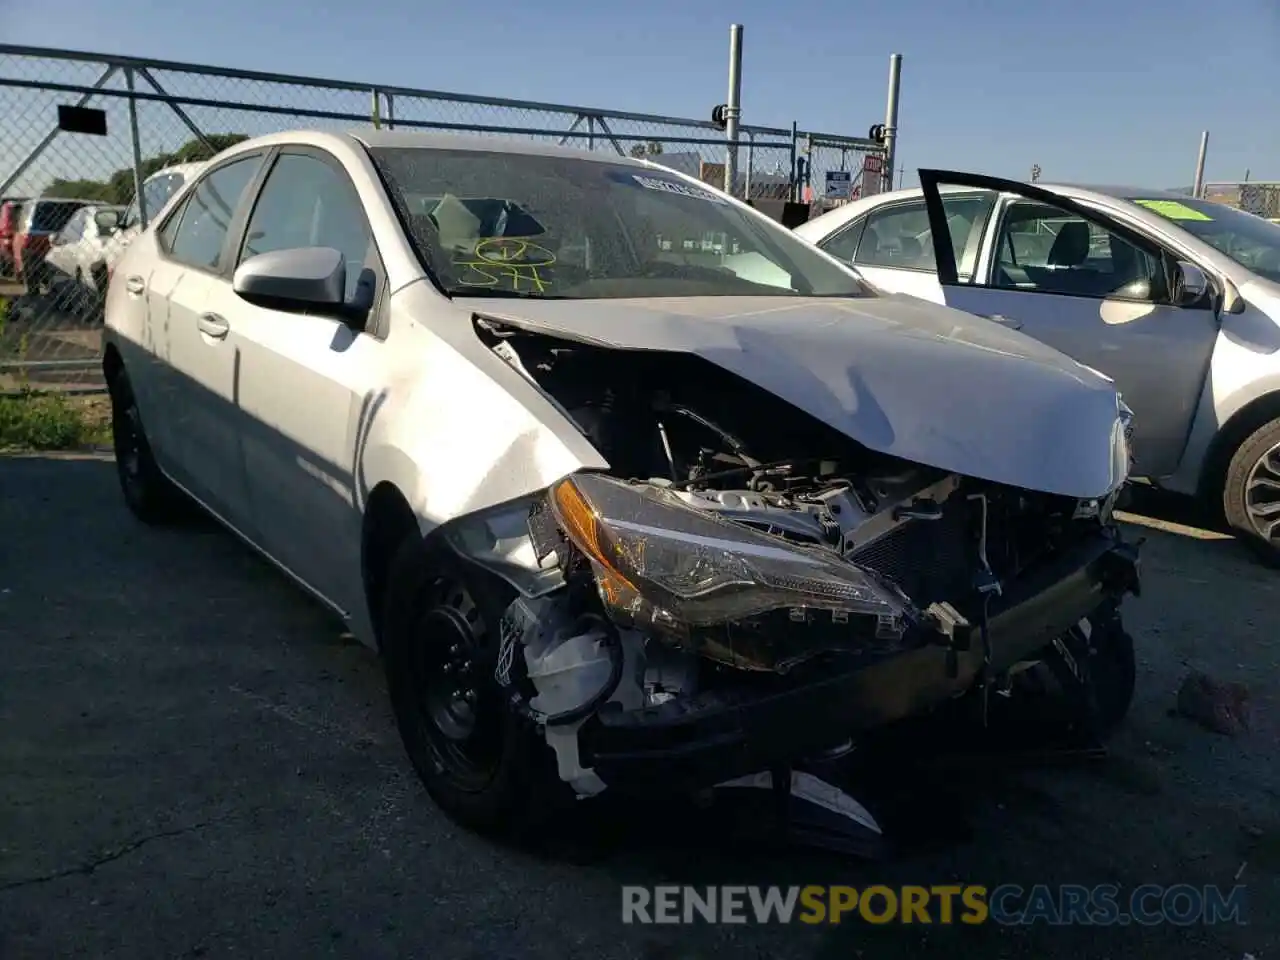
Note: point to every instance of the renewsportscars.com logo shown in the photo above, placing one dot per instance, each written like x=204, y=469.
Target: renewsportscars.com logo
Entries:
x=1007, y=904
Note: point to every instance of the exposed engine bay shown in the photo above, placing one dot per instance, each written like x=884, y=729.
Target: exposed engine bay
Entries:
x=741, y=552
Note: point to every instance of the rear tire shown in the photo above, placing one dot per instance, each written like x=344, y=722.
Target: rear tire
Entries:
x=483, y=764
x=1251, y=492
x=148, y=493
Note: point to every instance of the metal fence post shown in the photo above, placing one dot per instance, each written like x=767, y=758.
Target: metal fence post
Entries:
x=143, y=214
x=733, y=109
x=891, y=121
x=1204, y=151
x=795, y=134
x=391, y=110
x=375, y=111
x=751, y=163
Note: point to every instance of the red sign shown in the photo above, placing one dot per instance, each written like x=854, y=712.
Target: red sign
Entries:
x=873, y=163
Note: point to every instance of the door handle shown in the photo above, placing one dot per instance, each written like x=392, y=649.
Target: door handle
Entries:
x=213, y=325
x=1011, y=322
x=135, y=285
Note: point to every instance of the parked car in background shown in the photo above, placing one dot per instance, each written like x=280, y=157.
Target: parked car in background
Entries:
x=1176, y=299
x=615, y=515
x=10, y=218
x=76, y=260
x=157, y=191
x=42, y=219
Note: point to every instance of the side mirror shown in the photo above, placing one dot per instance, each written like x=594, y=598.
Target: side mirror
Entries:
x=1139, y=289
x=1190, y=285
x=296, y=278
x=1232, y=301
x=108, y=221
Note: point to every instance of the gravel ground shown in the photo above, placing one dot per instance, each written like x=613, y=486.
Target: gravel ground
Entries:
x=194, y=763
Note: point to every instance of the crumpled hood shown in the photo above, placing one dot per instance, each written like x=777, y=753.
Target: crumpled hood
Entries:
x=903, y=377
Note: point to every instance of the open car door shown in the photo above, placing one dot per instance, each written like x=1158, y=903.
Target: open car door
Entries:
x=1097, y=289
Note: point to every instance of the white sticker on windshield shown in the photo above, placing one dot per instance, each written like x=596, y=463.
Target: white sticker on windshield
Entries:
x=680, y=189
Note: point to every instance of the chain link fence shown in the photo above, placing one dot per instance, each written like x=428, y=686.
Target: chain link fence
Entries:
x=1260, y=197
x=158, y=114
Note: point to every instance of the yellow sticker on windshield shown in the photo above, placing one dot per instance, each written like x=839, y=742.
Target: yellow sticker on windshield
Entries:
x=1173, y=210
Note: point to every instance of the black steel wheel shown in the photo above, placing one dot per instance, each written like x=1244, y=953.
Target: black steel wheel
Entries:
x=148, y=493
x=481, y=762
x=458, y=707
x=1251, y=492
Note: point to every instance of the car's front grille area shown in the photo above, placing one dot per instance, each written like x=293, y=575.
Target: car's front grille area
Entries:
x=937, y=560
x=931, y=560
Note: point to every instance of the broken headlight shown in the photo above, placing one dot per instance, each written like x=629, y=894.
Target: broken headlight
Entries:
x=695, y=569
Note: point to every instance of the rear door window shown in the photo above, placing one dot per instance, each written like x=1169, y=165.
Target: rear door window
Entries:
x=899, y=235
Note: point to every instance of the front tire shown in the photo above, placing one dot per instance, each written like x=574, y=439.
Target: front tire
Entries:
x=483, y=764
x=1251, y=492
x=1082, y=688
x=148, y=493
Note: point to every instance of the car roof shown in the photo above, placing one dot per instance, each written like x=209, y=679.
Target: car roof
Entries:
x=79, y=200
x=424, y=140
x=191, y=167
x=1076, y=190
x=1116, y=192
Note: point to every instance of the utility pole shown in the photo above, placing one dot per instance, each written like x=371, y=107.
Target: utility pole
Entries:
x=733, y=109
x=1198, y=189
x=891, y=120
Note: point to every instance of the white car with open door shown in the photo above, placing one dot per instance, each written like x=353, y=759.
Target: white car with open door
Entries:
x=1176, y=299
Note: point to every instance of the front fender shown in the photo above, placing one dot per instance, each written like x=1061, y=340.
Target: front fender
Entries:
x=1215, y=410
x=469, y=441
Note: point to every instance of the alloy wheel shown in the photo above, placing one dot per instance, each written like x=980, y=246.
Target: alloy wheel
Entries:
x=1262, y=496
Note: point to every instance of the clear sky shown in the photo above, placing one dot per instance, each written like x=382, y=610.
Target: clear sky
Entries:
x=1093, y=90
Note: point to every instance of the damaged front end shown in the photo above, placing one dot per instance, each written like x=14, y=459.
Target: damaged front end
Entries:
x=749, y=609
x=705, y=634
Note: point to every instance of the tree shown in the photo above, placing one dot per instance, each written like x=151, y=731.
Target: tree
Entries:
x=118, y=188
x=651, y=149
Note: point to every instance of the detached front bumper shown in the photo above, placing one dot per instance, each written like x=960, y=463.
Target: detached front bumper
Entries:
x=719, y=735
